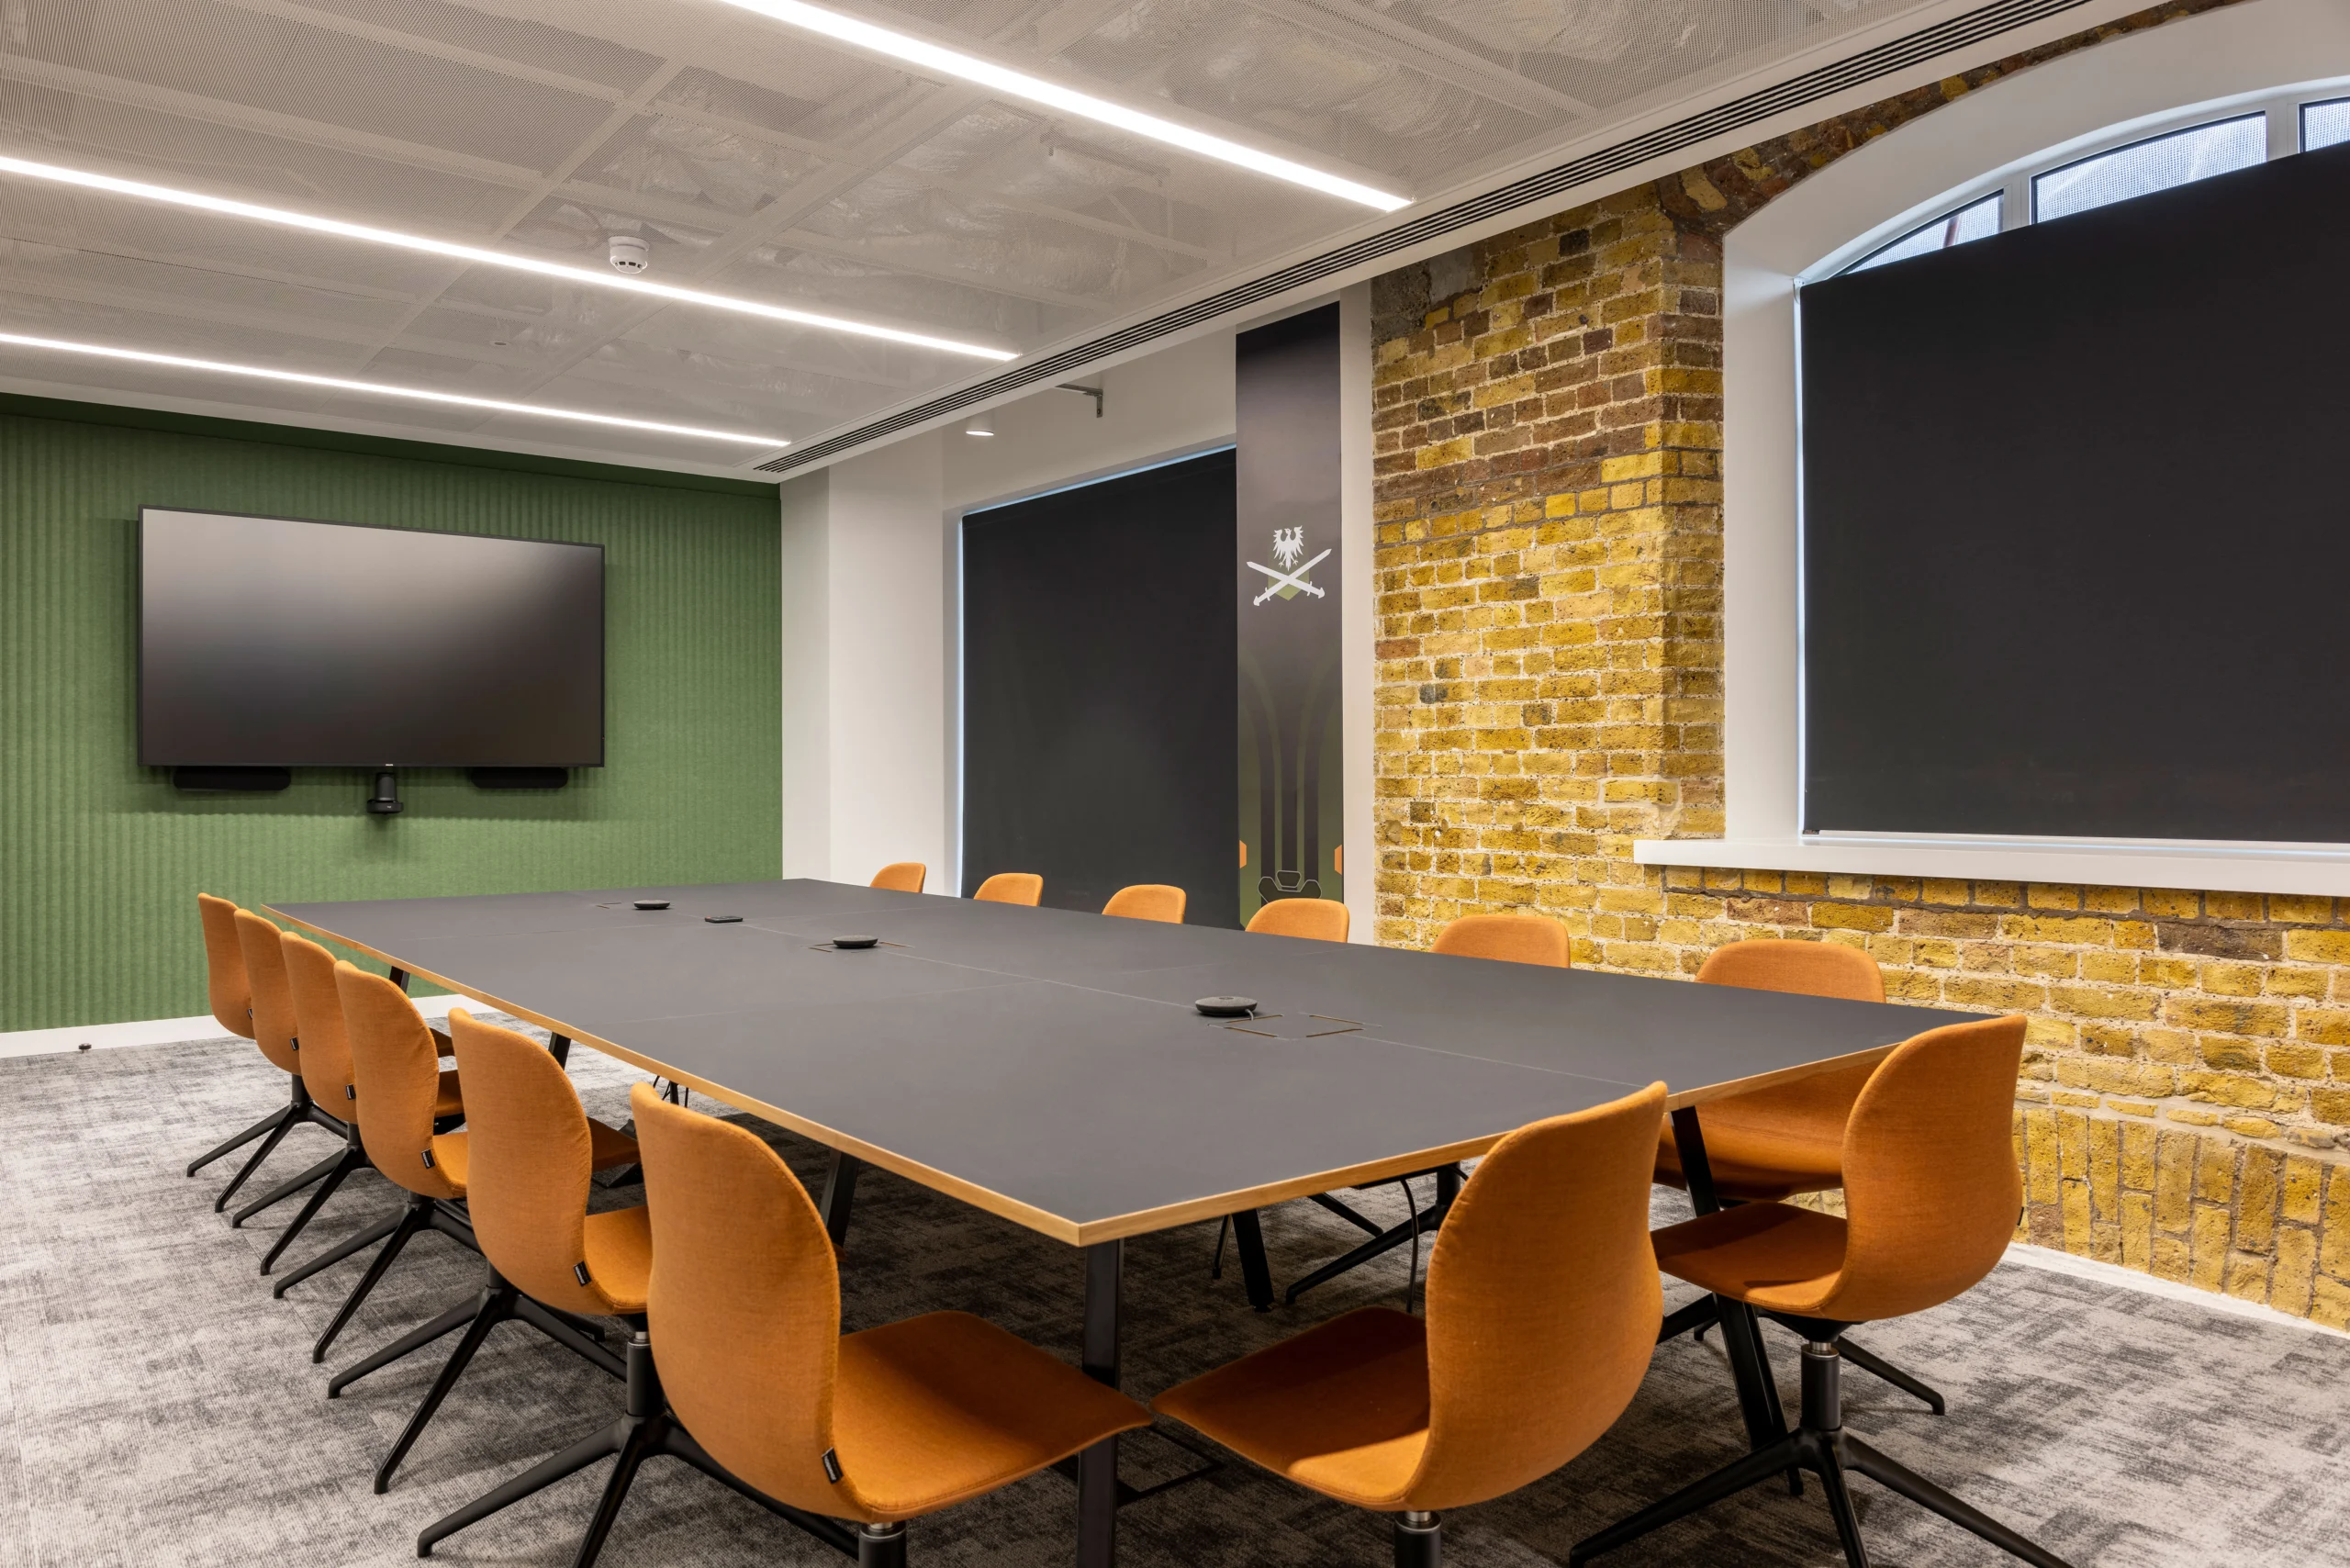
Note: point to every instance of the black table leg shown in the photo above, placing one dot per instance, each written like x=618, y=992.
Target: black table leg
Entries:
x=1256, y=1274
x=1758, y=1392
x=1097, y=1467
x=399, y=977
x=559, y=1047
x=840, y=1196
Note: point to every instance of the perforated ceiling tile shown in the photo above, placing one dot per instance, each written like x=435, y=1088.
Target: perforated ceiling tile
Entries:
x=753, y=159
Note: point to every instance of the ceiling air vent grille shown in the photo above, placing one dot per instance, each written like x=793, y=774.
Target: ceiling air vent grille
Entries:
x=1854, y=70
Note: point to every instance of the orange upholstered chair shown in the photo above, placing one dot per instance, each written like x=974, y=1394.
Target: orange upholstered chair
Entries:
x=902, y=876
x=1012, y=887
x=278, y=1030
x=1931, y=1197
x=403, y=1105
x=1148, y=901
x=1516, y=938
x=1324, y=920
x=1542, y=1307
x=530, y=1152
x=1520, y=938
x=764, y=1392
x=1776, y=1142
x=231, y=995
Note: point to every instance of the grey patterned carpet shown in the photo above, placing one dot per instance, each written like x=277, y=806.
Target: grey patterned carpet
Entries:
x=158, y=1407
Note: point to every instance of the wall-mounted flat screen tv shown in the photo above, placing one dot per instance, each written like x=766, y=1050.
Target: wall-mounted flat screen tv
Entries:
x=269, y=641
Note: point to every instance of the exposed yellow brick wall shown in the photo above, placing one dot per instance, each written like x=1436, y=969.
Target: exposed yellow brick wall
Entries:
x=1547, y=407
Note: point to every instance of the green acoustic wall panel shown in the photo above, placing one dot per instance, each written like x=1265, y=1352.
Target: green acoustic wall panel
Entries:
x=101, y=859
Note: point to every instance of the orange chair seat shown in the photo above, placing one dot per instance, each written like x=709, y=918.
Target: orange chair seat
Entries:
x=618, y=1244
x=1755, y=1163
x=1774, y=1256
x=1304, y=1408
x=946, y=1406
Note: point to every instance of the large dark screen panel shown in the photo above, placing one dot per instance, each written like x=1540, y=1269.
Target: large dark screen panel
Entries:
x=1099, y=664
x=2077, y=523
x=268, y=641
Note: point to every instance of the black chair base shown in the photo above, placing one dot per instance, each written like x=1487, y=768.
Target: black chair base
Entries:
x=1704, y=1313
x=1820, y=1445
x=415, y=1217
x=497, y=1303
x=1419, y=1540
x=297, y=1110
x=648, y=1430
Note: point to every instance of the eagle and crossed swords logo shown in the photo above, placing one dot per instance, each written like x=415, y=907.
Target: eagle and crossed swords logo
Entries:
x=1289, y=544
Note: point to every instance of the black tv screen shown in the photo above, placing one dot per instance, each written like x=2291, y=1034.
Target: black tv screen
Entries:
x=2075, y=528
x=269, y=641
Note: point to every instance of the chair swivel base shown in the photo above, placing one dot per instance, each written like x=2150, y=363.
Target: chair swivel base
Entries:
x=417, y=1215
x=648, y=1430
x=1820, y=1445
x=497, y=1303
x=297, y=1110
x=1448, y=1181
x=1706, y=1312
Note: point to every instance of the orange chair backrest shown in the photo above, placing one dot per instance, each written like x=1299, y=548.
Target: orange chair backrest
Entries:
x=1818, y=1104
x=318, y=1018
x=744, y=1305
x=1148, y=900
x=1324, y=920
x=1806, y=968
x=1932, y=1189
x=274, y=1030
x=1517, y=938
x=1012, y=887
x=231, y=994
x=396, y=1064
x=527, y=1158
x=1543, y=1302
x=902, y=876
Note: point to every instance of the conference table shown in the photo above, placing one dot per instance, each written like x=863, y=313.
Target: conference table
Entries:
x=1049, y=1067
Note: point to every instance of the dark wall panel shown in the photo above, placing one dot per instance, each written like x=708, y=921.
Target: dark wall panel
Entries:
x=1098, y=675
x=1291, y=775
x=2077, y=523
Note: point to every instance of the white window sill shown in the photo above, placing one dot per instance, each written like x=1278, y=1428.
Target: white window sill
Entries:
x=2308, y=871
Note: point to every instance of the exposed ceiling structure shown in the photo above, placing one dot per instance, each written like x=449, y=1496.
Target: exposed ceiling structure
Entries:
x=756, y=160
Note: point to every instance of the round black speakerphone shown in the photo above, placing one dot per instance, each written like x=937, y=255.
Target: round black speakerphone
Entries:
x=1226, y=1006
x=856, y=941
x=653, y=904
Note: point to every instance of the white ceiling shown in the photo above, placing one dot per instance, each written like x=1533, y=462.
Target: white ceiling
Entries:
x=753, y=160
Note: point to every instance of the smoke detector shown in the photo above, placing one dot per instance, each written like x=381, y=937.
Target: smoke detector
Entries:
x=629, y=253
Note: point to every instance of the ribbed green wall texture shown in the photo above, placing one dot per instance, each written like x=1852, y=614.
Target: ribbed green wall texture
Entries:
x=101, y=859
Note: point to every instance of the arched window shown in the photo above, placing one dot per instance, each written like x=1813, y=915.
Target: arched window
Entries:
x=2136, y=166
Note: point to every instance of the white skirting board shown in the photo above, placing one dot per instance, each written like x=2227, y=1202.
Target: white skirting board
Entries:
x=165, y=1031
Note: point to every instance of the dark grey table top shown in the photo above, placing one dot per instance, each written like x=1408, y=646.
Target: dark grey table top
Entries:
x=1048, y=1066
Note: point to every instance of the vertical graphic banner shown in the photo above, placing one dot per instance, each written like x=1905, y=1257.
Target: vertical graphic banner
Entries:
x=1292, y=800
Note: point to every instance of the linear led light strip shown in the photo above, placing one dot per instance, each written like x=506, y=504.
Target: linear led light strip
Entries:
x=944, y=61
x=376, y=389
x=479, y=257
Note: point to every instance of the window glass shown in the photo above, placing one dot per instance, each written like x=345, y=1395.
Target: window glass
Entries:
x=2153, y=165
x=2323, y=125
x=1976, y=220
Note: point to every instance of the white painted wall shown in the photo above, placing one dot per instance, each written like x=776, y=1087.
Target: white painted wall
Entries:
x=871, y=589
